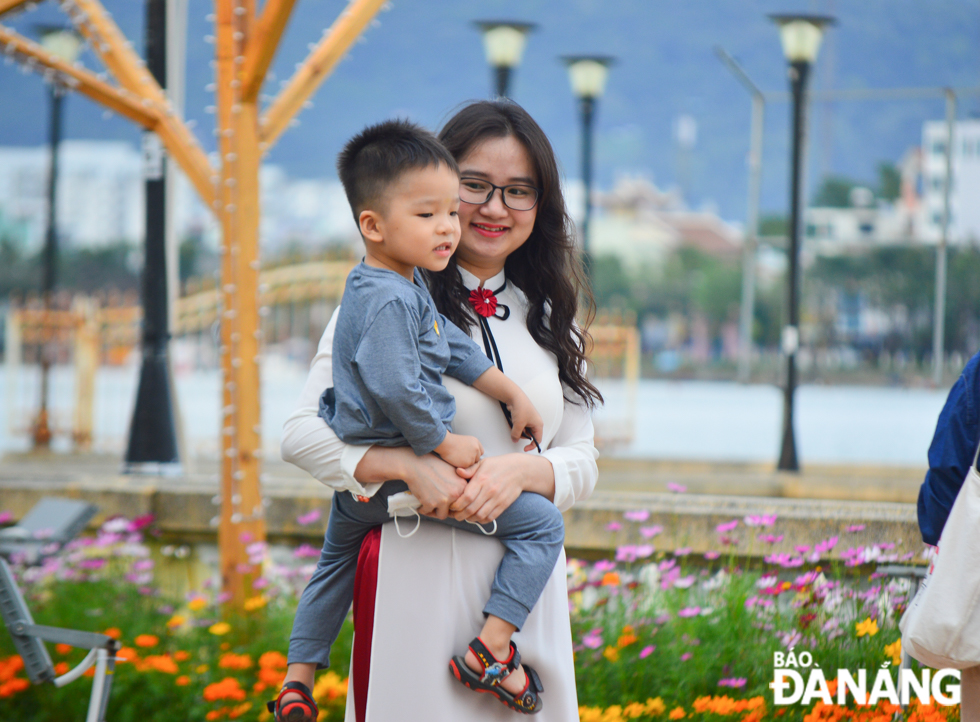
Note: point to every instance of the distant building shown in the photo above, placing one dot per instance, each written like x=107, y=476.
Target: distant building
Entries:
x=640, y=224
x=100, y=200
x=965, y=189
x=99, y=194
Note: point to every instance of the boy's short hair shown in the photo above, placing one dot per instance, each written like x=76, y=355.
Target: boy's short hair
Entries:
x=377, y=156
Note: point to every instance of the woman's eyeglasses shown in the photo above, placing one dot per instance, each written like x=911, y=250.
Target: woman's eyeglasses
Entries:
x=516, y=197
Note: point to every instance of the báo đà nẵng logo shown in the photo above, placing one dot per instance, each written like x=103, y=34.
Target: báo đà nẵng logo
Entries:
x=797, y=679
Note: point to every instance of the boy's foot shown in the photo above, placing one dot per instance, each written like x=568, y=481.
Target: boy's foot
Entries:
x=484, y=671
x=295, y=703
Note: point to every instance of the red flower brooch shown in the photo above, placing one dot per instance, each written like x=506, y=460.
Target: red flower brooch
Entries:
x=483, y=301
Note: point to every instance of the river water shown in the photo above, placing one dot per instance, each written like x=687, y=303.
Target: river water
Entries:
x=719, y=421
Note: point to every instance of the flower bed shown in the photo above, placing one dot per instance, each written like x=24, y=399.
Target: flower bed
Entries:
x=658, y=635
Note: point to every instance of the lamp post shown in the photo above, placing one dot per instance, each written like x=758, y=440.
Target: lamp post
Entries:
x=587, y=74
x=800, y=35
x=65, y=45
x=503, y=42
x=152, y=446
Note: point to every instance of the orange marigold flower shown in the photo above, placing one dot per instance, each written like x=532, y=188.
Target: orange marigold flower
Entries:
x=272, y=677
x=220, y=628
x=224, y=646
x=677, y=713
x=181, y=656
x=215, y=714
x=259, y=687
x=330, y=685
x=182, y=681
x=161, y=663
x=228, y=688
x=127, y=654
x=589, y=714
x=147, y=640
x=176, y=621
x=655, y=706
x=253, y=603
x=62, y=648
x=9, y=689
x=610, y=579
x=61, y=668
x=626, y=639
x=230, y=660
x=113, y=632
x=238, y=711
x=10, y=667
x=273, y=660
x=611, y=653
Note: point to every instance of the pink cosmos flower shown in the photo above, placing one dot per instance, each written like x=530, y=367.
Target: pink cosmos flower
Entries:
x=649, y=532
x=613, y=526
x=825, y=546
x=310, y=518
x=636, y=515
x=732, y=682
x=604, y=565
x=676, y=488
x=684, y=583
x=760, y=520
x=647, y=651
x=689, y=612
x=686, y=656
x=593, y=640
x=305, y=551
x=245, y=537
x=140, y=522
x=5, y=517
x=855, y=528
x=727, y=526
x=682, y=552
x=770, y=539
x=711, y=555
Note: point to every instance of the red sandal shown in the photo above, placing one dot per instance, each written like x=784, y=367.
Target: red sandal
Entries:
x=527, y=701
x=298, y=710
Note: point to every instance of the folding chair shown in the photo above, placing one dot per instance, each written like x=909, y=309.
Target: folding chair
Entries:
x=53, y=522
x=28, y=639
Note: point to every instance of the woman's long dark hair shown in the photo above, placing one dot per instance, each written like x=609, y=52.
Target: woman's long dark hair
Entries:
x=545, y=267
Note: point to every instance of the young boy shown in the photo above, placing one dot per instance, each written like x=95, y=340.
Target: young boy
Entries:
x=390, y=348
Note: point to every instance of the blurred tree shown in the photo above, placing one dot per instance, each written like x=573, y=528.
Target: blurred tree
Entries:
x=610, y=285
x=773, y=225
x=834, y=192
x=889, y=181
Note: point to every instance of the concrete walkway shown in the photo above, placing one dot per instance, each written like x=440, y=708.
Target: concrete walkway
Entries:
x=819, y=503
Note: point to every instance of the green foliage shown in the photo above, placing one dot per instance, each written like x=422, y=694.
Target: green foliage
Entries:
x=834, y=192
x=773, y=225
x=889, y=182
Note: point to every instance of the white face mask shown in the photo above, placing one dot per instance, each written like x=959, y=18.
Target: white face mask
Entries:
x=404, y=503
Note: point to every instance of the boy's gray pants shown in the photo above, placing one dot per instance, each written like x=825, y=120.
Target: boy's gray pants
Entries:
x=531, y=531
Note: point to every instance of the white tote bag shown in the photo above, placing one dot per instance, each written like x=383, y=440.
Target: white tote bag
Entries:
x=941, y=627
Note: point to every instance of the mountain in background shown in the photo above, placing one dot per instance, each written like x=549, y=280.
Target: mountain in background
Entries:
x=425, y=58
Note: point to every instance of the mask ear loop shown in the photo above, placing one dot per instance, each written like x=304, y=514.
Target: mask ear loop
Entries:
x=481, y=527
x=418, y=523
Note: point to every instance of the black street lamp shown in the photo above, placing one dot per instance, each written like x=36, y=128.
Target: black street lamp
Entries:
x=65, y=45
x=801, y=36
x=503, y=41
x=587, y=74
x=152, y=446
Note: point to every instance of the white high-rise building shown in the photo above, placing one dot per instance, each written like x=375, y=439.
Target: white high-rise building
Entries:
x=965, y=190
x=99, y=194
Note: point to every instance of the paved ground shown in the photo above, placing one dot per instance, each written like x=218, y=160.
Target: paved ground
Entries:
x=820, y=502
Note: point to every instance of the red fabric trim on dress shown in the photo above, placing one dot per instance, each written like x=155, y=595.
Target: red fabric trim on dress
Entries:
x=365, y=594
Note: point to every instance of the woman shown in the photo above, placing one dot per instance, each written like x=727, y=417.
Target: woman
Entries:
x=516, y=260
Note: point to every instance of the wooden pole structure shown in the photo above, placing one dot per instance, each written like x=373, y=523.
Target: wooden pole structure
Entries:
x=245, y=46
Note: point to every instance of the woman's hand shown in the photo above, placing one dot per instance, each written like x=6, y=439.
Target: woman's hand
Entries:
x=497, y=481
x=434, y=483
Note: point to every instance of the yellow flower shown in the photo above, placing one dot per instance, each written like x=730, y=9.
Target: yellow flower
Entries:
x=613, y=714
x=175, y=621
x=869, y=626
x=894, y=651
x=655, y=706
x=677, y=713
x=589, y=714
x=197, y=604
x=220, y=628
x=634, y=710
x=254, y=603
x=611, y=653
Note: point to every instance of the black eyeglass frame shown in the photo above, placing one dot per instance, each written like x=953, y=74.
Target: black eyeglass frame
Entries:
x=503, y=194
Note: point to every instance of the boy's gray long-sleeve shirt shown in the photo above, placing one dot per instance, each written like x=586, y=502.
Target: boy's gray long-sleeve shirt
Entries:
x=390, y=349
